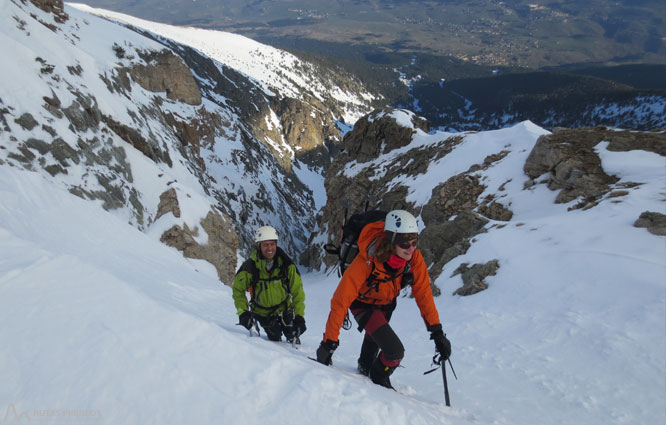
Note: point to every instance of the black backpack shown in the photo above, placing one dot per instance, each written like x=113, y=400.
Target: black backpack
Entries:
x=351, y=229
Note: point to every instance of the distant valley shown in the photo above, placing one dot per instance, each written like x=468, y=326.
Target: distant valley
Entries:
x=464, y=64
x=533, y=34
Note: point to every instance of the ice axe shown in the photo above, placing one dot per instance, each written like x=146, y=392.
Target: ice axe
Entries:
x=287, y=317
x=437, y=360
x=254, y=323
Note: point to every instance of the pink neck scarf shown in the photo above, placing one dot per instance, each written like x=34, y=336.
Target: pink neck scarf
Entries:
x=396, y=262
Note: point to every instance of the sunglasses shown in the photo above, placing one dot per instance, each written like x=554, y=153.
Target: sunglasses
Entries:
x=408, y=245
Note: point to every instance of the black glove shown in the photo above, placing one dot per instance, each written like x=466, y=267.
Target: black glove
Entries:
x=325, y=351
x=245, y=319
x=299, y=325
x=442, y=344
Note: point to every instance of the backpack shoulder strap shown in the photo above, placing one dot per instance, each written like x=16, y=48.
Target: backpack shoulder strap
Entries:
x=249, y=266
x=284, y=268
x=373, y=281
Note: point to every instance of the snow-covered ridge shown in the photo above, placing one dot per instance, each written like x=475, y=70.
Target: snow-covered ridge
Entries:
x=272, y=68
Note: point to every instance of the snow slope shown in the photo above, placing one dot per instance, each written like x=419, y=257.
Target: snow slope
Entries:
x=104, y=325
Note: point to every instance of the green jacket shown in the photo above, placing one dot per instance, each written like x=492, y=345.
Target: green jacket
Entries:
x=270, y=293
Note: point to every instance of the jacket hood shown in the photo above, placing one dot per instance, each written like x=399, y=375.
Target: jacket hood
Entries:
x=371, y=232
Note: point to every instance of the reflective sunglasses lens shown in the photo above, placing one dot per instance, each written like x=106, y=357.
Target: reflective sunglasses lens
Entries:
x=408, y=245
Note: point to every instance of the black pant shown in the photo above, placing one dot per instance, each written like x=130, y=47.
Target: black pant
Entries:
x=378, y=335
x=275, y=327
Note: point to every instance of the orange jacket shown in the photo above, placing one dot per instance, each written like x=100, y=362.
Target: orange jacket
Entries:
x=354, y=284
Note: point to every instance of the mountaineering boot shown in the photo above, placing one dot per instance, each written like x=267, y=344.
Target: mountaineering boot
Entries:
x=363, y=368
x=380, y=373
x=369, y=351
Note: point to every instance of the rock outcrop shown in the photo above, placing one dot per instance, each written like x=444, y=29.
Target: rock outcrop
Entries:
x=566, y=161
x=166, y=72
x=305, y=127
x=287, y=127
x=221, y=242
x=654, y=222
x=473, y=277
x=56, y=7
x=379, y=133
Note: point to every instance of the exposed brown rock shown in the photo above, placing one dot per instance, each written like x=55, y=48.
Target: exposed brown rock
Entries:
x=654, y=222
x=568, y=159
x=197, y=131
x=443, y=240
x=379, y=133
x=168, y=204
x=147, y=147
x=220, y=249
x=55, y=7
x=473, y=277
x=457, y=194
x=444, y=236
x=166, y=72
x=496, y=211
x=27, y=121
x=305, y=125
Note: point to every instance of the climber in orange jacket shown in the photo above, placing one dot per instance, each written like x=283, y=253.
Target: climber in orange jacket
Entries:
x=388, y=260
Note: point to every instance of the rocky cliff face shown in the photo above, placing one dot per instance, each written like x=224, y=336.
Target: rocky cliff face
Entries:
x=165, y=72
x=273, y=129
x=123, y=116
x=388, y=153
x=357, y=178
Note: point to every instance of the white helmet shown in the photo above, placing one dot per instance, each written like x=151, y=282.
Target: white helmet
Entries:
x=265, y=233
x=400, y=221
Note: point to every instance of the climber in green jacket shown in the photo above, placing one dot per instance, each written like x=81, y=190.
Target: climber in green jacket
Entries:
x=277, y=299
